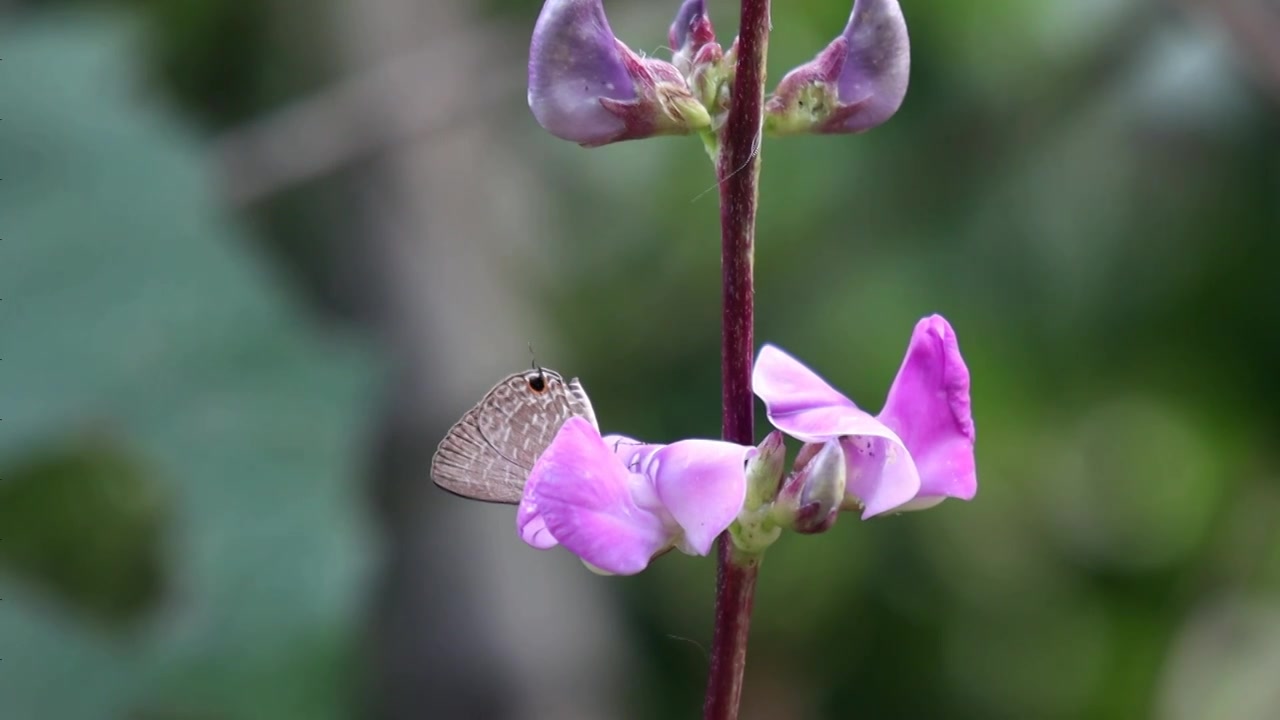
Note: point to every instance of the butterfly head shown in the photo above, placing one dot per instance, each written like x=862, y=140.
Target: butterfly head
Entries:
x=540, y=380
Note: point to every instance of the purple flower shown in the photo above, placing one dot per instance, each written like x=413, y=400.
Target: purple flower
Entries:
x=855, y=84
x=617, y=503
x=587, y=86
x=916, y=452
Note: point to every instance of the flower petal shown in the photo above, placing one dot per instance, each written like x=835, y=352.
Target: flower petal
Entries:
x=881, y=474
x=703, y=484
x=876, y=69
x=533, y=529
x=574, y=62
x=529, y=523
x=582, y=491
x=630, y=451
x=928, y=406
x=802, y=404
x=786, y=386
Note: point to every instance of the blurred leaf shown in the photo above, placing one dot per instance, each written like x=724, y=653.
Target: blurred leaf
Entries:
x=132, y=303
x=84, y=518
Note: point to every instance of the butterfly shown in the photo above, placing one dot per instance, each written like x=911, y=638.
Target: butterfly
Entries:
x=488, y=454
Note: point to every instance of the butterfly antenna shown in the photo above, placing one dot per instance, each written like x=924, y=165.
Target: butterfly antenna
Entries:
x=533, y=365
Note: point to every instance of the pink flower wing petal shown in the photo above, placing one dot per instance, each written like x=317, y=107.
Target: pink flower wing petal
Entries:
x=786, y=386
x=533, y=529
x=630, y=451
x=582, y=494
x=529, y=523
x=702, y=483
x=881, y=474
x=802, y=404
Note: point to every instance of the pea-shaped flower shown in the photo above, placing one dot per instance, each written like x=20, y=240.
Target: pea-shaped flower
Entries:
x=617, y=503
x=587, y=86
x=855, y=84
x=917, y=452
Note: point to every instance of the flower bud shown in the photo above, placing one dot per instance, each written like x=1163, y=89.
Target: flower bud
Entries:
x=811, y=497
x=699, y=57
x=764, y=471
x=690, y=32
x=754, y=530
x=587, y=86
x=855, y=84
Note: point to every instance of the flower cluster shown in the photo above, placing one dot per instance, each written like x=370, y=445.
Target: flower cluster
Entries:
x=588, y=86
x=617, y=503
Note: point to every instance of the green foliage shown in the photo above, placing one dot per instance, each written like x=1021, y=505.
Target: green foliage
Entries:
x=178, y=447
x=84, y=520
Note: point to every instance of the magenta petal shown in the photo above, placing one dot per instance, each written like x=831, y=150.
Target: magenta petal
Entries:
x=703, y=484
x=786, y=386
x=630, y=451
x=802, y=404
x=928, y=406
x=614, y=439
x=529, y=523
x=582, y=492
x=881, y=474
x=574, y=62
x=533, y=529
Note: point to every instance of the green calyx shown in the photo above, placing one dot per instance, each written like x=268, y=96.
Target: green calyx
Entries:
x=801, y=111
x=754, y=531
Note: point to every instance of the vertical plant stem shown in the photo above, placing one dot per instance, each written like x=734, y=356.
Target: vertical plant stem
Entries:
x=738, y=172
x=735, y=593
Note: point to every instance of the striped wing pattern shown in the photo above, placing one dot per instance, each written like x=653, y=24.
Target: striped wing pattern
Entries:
x=487, y=455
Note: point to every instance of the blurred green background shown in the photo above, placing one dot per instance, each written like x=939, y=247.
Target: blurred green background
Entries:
x=255, y=257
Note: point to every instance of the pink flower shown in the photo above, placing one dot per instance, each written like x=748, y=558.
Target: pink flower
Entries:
x=917, y=452
x=617, y=503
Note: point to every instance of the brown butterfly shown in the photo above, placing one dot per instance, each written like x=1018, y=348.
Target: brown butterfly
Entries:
x=488, y=454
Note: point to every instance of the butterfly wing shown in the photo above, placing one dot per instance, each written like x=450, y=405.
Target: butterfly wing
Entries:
x=487, y=455
x=580, y=405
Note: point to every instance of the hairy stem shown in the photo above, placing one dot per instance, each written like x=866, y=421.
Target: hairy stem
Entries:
x=735, y=593
x=738, y=172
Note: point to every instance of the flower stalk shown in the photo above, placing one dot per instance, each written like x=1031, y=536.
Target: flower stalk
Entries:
x=738, y=173
x=618, y=503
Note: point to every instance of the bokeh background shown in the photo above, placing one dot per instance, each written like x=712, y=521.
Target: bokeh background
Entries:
x=256, y=256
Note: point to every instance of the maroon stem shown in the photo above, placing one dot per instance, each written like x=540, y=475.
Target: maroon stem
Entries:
x=738, y=170
x=735, y=592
